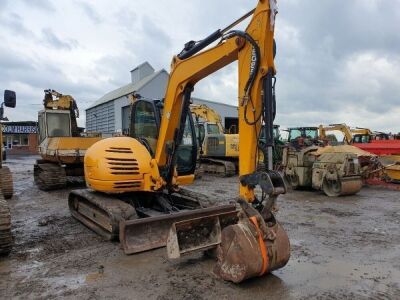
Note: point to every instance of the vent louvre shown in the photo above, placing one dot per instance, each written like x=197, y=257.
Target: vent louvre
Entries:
x=125, y=173
x=123, y=166
x=127, y=185
x=119, y=151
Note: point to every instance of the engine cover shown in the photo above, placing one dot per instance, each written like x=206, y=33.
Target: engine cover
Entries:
x=116, y=165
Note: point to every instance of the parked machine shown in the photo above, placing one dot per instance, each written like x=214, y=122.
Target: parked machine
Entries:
x=6, y=184
x=277, y=149
x=134, y=182
x=300, y=137
x=219, y=151
x=381, y=153
x=61, y=145
x=335, y=173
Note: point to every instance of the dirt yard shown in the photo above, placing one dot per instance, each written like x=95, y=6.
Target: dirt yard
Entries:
x=342, y=248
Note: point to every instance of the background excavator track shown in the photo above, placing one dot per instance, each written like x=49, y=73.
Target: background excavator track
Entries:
x=218, y=167
x=6, y=182
x=48, y=176
x=6, y=239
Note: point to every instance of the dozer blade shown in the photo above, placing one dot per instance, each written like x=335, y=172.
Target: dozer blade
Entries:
x=198, y=234
x=152, y=232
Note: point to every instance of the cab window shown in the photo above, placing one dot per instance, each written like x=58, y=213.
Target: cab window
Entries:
x=58, y=125
x=185, y=153
x=145, y=121
x=212, y=129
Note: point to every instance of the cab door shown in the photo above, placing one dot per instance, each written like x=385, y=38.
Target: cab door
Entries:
x=145, y=126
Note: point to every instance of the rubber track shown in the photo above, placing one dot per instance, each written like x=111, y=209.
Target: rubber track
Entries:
x=48, y=176
x=6, y=239
x=6, y=182
x=113, y=209
x=218, y=167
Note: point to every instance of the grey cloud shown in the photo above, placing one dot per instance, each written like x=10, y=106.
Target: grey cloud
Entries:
x=3, y=4
x=155, y=34
x=30, y=77
x=51, y=39
x=40, y=4
x=126, y=19
x=328, y=36
x=153, y=44
x=90, y=12
x=10, y=62
x=117, y=68
x=14, y=23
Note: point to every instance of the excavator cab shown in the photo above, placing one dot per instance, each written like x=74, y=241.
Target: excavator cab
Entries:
x=300, y=137
x=145, y=126
x=54, y=123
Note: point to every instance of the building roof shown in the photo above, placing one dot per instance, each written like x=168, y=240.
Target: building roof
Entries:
x=214, y=102
x=141, y=65
x=126, y=89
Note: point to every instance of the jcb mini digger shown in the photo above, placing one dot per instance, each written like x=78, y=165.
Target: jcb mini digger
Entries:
x=134, y=182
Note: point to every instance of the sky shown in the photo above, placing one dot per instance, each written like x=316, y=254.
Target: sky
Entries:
x=338, y=61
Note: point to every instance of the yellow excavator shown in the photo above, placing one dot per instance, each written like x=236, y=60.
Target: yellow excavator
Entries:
x=219, y=152
x=347, y=132
x=134, y=183
x=6, y=184
x=61, y=145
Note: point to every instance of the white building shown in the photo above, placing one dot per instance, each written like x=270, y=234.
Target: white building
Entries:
x=111, y=112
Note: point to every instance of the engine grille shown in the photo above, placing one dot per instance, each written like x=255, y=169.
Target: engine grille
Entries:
x=119, y=150
x=127, y=184
x=120, y=165
x=213, y=143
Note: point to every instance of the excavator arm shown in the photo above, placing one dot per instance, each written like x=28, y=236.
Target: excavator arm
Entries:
x=66, y=102
x=339, y=127
x=54, y=100
x=254, y=51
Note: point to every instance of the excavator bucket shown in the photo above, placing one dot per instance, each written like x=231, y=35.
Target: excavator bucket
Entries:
x=246, y=245
x=198, y=234
x=205, y=232
x=152, y=232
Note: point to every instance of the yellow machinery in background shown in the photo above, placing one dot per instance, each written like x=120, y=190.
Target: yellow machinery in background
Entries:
x=61, y=145
x=386, y=166
x=135, y=182
x=219, y=151
x=346, y=131
x=6, y=184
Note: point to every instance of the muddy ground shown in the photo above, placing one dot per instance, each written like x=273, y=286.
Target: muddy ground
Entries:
x=342, y=248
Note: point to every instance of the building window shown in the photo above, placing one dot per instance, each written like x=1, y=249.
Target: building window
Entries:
x=20, y=140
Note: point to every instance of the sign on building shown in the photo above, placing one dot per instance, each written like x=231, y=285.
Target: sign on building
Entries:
x=19, y=129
